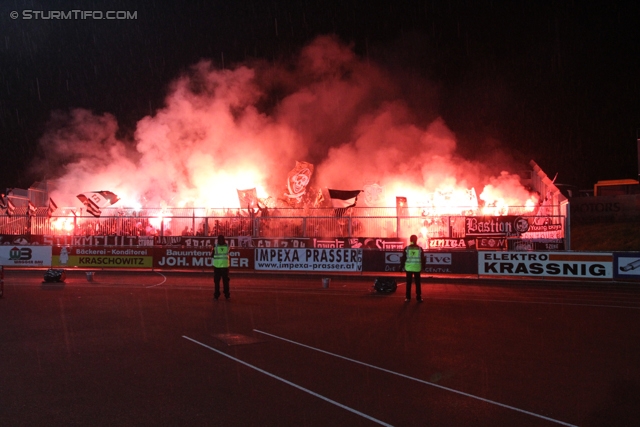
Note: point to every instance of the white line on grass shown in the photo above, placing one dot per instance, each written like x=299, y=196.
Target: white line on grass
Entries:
x=419, y=380
x=158, y=284
x=326, y=399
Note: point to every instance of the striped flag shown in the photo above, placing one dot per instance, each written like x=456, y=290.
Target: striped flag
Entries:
x=99, y=198
x=92, y=207
x=52, y=207
x=94, y=200
x=341, y=200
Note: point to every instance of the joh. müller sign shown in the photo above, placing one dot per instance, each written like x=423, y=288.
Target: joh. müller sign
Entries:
x=546, y=264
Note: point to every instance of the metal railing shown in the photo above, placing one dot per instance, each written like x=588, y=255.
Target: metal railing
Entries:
x=355, y=222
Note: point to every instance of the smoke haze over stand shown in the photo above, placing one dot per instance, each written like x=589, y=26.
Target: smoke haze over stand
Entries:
x=245, y=127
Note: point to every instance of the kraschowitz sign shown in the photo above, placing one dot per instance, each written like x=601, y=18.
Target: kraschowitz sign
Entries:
x=102, y=257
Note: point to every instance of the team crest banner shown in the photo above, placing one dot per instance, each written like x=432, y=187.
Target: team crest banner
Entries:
x=297, y=180
x=373, y=194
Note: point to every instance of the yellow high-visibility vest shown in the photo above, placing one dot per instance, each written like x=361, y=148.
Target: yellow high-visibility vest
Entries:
x=221, y=256
x=414, y=259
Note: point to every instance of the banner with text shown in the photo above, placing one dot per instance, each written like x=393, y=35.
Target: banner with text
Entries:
x=506, y=225
x=436, y=262
x=449, y=244
x=102, y=257
x=335, y=260
x=61, y=240
x=189, y=258
x=546, y=264
x=381, y=243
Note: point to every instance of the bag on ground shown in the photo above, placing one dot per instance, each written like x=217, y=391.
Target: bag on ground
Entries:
x=385, y=285
x=55, y=275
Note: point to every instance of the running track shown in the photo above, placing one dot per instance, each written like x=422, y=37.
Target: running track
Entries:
x=153, y=349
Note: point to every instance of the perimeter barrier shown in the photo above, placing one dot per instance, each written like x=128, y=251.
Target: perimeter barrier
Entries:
x=620, y=266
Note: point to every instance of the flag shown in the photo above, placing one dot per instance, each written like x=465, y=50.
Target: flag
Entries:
x=297, y=180
x=373, y=194
x=94, y=200
x=343, y=198
x=92, y=208
x=90, y=203
x=248, y=198
x=32, y=209
x=10, y=207
x=52, y=207
x=100, y=198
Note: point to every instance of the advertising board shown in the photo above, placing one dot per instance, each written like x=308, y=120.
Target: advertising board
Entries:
x=297, y=259
x=102, y=257
x=192, y=258
x=436, y=262
x=506, y=225
x=546, y=264
x=627, y=265
x=25, y=256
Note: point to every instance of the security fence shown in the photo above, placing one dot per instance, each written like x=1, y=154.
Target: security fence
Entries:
x=309, y=223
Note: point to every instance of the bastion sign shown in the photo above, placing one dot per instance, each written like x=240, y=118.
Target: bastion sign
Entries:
x=506, y=225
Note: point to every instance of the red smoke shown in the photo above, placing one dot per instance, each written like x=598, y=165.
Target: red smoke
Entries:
x=222, y=130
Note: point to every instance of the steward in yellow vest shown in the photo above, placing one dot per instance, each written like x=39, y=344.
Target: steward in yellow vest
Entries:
x=413, y=263
x=220, y=254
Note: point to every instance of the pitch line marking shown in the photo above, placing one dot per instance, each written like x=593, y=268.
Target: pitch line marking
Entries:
x=319, y=396
x=158, y=284
x=533, y=414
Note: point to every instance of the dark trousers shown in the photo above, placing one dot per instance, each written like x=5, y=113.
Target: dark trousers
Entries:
x=411, y=275
x=221, y=273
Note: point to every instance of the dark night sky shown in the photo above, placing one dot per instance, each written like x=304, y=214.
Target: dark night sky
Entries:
x=556, y=82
